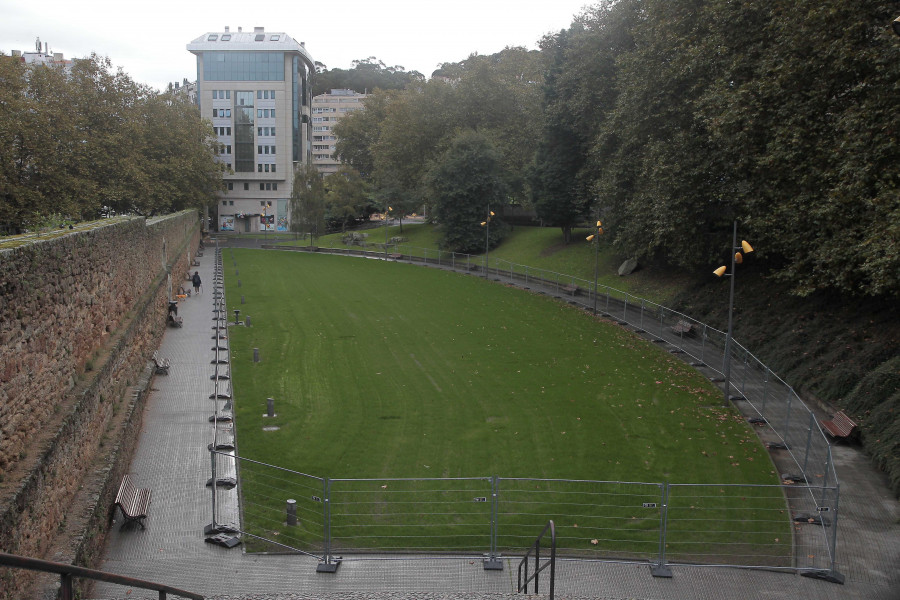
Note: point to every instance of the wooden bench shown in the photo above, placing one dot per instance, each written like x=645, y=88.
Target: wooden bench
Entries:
x=133, y=502
x=161, y=365
x=685, y=328
x=840, y=425
x=570, y=289
x=396, y=256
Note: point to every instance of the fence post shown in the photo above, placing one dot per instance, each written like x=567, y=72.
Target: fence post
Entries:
x=213, y=527
x=787, y=416
x=809, y=430
x=661, y=569
x=492, y=560
x=703, y=346
x=765, y=391
x=641, y=325
x=327, y=564
x=835, y=576
x=746, y=367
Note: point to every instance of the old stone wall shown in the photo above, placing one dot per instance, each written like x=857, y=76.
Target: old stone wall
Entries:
x=80, y=316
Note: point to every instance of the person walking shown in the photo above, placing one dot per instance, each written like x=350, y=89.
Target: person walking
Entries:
x=196, y=281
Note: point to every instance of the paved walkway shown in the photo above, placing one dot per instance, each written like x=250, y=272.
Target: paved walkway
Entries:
x=173, y=459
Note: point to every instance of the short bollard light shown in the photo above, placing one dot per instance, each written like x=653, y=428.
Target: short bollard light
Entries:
x=242, y=299
x=291, y=512
x=247, y=321
x=270, y=407
x=256, y=355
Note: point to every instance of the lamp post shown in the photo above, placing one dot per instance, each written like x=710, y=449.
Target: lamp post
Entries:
x=389, y=209
x=596, y=242
x=736, y=259
x=487, y=237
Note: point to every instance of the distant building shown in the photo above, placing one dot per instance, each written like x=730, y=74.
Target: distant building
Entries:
x=43, y=57
x=254, y=87
x=327, y=110
x=185, y=88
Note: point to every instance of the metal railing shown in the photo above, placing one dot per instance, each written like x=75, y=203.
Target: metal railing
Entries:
x=523, y=578
x=68, y=572
x=658, y=524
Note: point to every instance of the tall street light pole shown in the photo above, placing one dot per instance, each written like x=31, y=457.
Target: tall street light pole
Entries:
x=736, y=258
x=389, y=209
x=487, y=237
x=596, y=242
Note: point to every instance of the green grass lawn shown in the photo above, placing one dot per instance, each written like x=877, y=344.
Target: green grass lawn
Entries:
x=537, y=247
x=384, y=370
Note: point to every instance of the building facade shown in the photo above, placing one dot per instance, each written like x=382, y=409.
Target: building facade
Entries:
x=327, y=110
x=255, y=89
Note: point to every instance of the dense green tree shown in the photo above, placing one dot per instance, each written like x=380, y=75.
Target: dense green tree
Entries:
x=464, y=183
x=309, y=202
x=366, y=76
x=348, y=197
x=394, y=141
x=91, y=141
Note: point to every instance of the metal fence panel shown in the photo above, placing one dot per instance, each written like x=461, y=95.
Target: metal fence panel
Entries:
x=594, y=519
x=410, y=515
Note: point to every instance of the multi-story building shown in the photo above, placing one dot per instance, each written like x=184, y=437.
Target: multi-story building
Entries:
x=42, y=56
x=254, y=87
x=327, y=110
x=185, y=88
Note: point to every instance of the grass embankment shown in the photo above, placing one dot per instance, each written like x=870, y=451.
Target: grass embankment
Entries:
x=387, y=370
x=536, y=247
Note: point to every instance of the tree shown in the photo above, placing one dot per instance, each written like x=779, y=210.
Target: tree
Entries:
x=464, y=182
x=367, y=75
x=308, y=202
x=84, y=143
x=347, y=196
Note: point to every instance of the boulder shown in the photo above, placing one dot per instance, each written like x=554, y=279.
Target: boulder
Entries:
x=628, y=267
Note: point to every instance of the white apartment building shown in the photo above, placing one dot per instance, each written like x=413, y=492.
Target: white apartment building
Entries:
x=254, y=87
x=327, y=110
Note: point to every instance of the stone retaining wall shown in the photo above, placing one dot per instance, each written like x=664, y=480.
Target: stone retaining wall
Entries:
x=80, y=316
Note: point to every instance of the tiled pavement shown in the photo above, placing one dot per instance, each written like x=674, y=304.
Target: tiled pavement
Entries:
x=172, y=459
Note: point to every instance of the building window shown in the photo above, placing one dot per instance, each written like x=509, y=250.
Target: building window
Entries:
x=273, y=167
x=212, y=37
x=262, y=187
x=246, y=186
x=259, y=168
x=231, y=203
x=224, y=202
x=230, y=186
x=243, y=66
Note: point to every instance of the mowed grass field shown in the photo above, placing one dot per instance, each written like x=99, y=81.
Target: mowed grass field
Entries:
x=383, y=370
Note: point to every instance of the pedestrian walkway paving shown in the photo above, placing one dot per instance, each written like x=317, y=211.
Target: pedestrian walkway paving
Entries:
x=173, y=460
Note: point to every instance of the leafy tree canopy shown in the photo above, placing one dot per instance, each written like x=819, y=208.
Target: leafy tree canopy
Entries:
x=93, y=141
x=366, y=76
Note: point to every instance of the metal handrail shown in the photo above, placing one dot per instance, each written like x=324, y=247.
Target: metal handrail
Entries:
x=67, y=572
x=523, y=564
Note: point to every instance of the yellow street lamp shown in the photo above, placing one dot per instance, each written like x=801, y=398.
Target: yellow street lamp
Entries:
x=591, y=238
x=487, y=235
x=736, y=259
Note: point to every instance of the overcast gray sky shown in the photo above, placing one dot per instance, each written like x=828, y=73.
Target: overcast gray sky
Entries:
x=148, y=39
